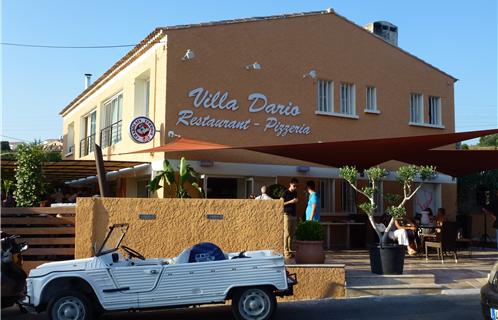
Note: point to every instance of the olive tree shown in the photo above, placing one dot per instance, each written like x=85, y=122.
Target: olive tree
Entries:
x=405, y=175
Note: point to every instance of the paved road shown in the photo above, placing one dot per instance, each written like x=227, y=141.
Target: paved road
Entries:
x=441, y=307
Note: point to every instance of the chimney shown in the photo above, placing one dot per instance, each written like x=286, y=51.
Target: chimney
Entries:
x=385, y=30
x=88, y=80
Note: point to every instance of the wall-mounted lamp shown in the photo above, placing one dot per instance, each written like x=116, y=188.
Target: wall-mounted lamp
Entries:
x=206, y=163
x=172, y=134
x=189, y=55
x=253, y=66
x=311, y=74
x=303, y=169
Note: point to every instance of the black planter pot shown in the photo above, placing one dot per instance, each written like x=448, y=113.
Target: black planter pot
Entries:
x=387, y=260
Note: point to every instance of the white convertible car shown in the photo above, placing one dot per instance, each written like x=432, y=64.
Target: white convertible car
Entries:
x=82, y=289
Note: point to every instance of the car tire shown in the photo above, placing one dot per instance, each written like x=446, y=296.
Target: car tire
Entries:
x=253, y=303
x=486, y=314
x=70, y=305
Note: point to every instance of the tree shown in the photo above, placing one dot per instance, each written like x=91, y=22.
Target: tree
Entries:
x=489, y=141
x=176, y=181
x=470, y=185
x=29, y=177
x=405, y=176
x=5, y=146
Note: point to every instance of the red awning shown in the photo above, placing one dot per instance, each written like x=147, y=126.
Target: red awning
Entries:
x=455, y=162
x=365, y=153
x=184, y=144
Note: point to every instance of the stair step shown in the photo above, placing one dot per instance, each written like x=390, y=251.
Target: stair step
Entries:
x=382, y=280
x=392, y=290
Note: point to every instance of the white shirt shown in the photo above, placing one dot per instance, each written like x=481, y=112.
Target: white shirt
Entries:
x=264, y=196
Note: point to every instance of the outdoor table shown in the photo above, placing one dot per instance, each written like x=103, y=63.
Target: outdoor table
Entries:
x=422, y=232
x=348, y=231
x=424, y=227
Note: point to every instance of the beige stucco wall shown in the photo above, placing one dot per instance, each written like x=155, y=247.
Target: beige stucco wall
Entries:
x=180, y=223
x=318, y=281
x=152, y=62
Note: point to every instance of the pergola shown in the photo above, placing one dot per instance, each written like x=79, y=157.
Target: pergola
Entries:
x=67, y=170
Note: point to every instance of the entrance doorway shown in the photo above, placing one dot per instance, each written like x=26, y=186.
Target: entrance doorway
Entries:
x=222, y=188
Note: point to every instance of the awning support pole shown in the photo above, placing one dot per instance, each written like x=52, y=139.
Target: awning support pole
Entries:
x=101, y=174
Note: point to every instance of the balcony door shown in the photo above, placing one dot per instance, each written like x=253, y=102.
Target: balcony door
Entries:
x=90, y=127
x=113, y=113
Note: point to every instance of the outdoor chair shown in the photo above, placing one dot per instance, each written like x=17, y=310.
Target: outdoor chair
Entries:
x=445, y=241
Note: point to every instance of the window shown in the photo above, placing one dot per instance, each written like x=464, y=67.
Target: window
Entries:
x=70, y=139
x=416, y=108
x=113, y=109
x=327, y=196
x=348, y=199
x=89, y=129
x=142, y=190
x=348, y=99
x=435, y=110
x=142, y=95
x=378, y=198
x=325, y=96
x=147, y=97
x=371, y=104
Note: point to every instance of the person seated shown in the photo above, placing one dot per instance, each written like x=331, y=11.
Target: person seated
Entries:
x=263, y=195
x=441, y=217
x=406, y=232
x=403, y=233
x=431, y=214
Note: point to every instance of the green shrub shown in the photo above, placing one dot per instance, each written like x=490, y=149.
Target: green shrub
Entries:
x=276, y=191
x=309, y=231
x=29, y=177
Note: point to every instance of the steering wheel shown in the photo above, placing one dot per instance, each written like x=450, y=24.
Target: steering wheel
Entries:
x=241, y=255
x=132, y=253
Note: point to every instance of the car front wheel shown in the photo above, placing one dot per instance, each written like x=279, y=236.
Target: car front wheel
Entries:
x=253, y=304
x=70, y=305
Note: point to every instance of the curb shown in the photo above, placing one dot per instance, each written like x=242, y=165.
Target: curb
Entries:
x=454, y=292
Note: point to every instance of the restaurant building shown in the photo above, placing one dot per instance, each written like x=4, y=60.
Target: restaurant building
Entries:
x=285, y=79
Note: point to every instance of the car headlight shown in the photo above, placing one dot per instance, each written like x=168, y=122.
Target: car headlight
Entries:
x=492, y=275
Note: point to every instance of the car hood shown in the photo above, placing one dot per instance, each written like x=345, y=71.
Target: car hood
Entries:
x=68, y=265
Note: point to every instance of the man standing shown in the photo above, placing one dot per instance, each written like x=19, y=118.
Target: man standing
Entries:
x=290, y=199
x=313, y=208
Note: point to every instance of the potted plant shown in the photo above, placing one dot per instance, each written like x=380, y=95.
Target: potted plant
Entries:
x=309, y=242
x=387, y=258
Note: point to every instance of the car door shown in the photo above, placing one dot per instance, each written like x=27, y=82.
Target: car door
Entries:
x=133, y=279
x=151, y=296
x=189, y=283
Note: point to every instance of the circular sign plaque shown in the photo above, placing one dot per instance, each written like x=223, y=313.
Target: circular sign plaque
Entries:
x=142, y=130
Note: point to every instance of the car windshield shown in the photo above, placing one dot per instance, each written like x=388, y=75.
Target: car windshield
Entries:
x=113, y=239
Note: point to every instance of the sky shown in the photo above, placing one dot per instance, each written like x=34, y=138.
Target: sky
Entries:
x=458, y=37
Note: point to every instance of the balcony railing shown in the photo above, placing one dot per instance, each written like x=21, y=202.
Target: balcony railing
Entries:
x=87, y=145
x=111, y=135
